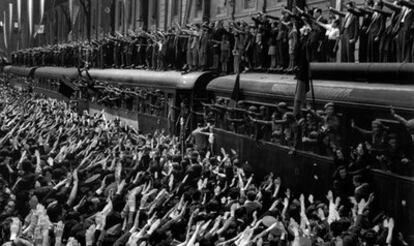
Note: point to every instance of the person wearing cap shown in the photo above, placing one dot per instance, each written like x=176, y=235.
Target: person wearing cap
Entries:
x=377, y=135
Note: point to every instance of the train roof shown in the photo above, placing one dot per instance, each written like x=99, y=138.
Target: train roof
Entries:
x=19, y=70
x=392, y=73
x=56, y=72
x=145, y=78
x=342, y=92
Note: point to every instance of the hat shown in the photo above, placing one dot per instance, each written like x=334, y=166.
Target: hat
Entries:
x=252, y=108
x=282, y=105
x=115, y=230
x=329, y=104
x=269, y=221
x=352, y=3
x=410, y=126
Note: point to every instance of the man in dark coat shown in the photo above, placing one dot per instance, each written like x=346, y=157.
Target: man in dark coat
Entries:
x=317, y=37
x=375, y=31
x=404, y=37
x=349, y=35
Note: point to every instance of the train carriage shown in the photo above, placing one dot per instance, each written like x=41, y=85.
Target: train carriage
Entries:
x=50, y=80
x=173, y=89
x=17, y=75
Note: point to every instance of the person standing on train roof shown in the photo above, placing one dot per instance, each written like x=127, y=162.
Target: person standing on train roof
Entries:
x=317, y=37
x=203, y=46
x=195, y=48
x=350, y=32
x=387, y=45
x=366, y=14
x=375, y=31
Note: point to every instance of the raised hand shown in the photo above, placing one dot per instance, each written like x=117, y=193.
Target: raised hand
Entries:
x=392, y=110
x=90, y=235
x=15, y=228
x=310, y=198
x=58, y=230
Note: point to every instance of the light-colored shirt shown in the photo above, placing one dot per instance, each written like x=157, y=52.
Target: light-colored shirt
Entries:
x=331, y=32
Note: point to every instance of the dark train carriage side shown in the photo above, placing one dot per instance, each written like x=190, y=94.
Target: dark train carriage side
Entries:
x=362, y=102
x=309, y=172
x=389, y=73
x=174, y=87
x=49, y=81
x=18, y=76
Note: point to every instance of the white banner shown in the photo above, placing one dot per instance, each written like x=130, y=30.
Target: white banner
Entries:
x=30, y=13
x=19, y=12
x=10, y=18
x=75, y=13
x=4, y=30
x=71, y=9
x=42, y=10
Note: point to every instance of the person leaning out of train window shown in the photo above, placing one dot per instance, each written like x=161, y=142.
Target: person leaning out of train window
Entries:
x=377, y=136
x=309, y=129
x=408, y=124
x=394, y=159
x=360, y=160
x=291, y=131
x=278, y=125
x=330, y=125
x=237, y=118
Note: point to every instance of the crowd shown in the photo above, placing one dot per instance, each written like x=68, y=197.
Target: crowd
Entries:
x=79, y=179
x=269, y=43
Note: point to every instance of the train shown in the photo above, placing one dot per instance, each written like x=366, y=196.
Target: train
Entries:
x=361, y=93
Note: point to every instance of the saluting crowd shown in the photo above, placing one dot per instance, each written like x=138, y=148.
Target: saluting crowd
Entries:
x=118, y=186
x=382, y=30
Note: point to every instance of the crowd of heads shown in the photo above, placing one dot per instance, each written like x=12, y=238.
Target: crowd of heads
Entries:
x=266, y=42
x=78, y=179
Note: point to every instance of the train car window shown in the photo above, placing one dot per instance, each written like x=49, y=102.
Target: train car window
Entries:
x=318, y=131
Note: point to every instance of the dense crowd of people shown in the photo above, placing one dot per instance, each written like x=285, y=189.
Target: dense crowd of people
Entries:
x=274, y=43
x=79, y=179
